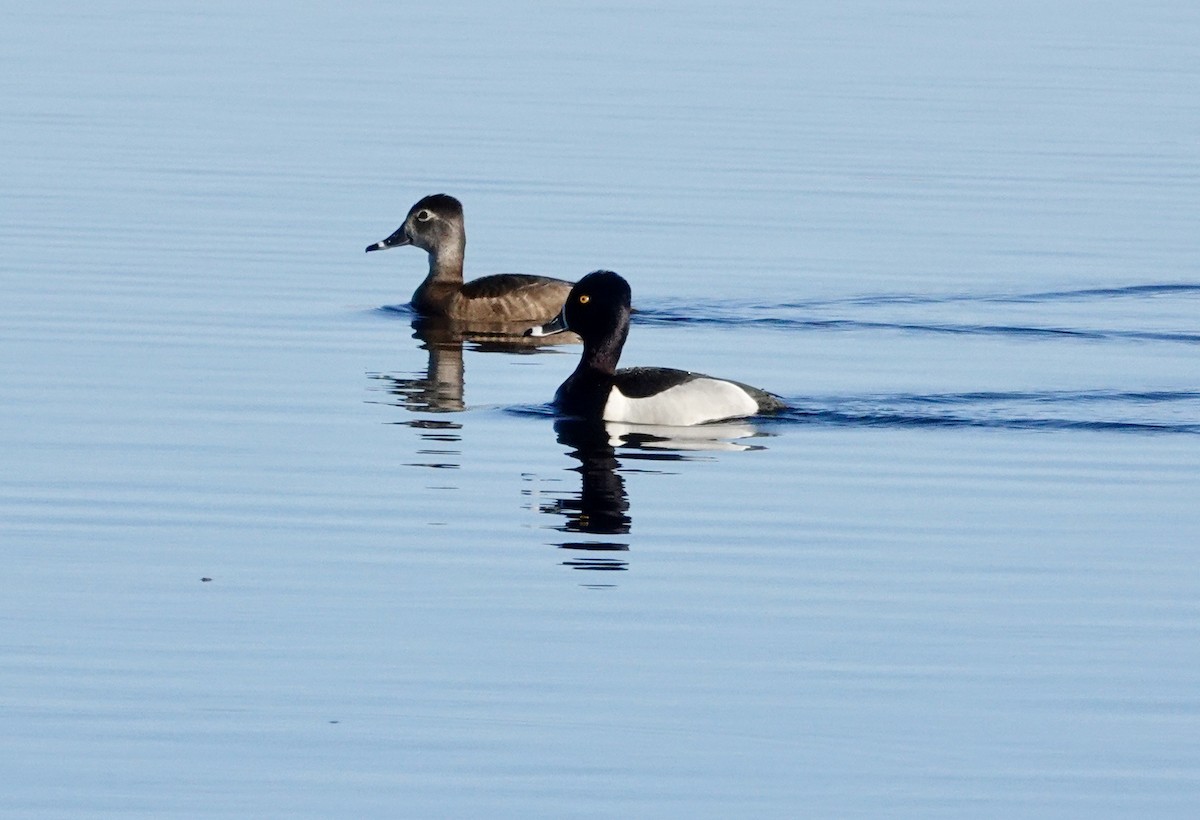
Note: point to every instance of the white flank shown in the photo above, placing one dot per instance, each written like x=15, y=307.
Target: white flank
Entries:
x=694, y=402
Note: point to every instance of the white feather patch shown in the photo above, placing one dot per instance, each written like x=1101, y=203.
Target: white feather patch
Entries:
x=695, y=402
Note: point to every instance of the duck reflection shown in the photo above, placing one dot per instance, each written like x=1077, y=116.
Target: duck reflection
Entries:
x=601, y=507
x=601, y=504
x=440, y=388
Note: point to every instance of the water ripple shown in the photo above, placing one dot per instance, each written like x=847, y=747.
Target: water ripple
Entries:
x=862, y=313
x=1129, y=291
x=781, y=323
x=1158, y=412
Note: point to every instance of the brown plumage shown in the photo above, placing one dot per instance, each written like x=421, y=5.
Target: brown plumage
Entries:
x=435, y=224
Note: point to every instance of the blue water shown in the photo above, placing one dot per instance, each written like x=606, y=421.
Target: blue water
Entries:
x=270, y=550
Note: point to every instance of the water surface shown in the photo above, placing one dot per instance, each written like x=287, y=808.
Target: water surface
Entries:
x=272, y=551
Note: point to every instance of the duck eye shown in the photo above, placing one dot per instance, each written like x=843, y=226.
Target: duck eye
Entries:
x=424, y=215
x=584, y=298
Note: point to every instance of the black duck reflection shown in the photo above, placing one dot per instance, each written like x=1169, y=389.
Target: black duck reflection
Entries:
x=601, y=507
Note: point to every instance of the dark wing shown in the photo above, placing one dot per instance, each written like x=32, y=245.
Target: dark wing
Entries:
x=505, y=284
x=511, y=297
x=640, y=382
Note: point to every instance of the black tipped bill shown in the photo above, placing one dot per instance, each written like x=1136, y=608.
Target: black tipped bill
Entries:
x=556, y=325
x=400, y=237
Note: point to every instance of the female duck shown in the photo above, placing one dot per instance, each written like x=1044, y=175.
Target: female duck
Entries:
x=435, y=224
x=598, y=309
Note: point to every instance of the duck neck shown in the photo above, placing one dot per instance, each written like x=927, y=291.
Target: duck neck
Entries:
x=604, y=354
x=446, y=259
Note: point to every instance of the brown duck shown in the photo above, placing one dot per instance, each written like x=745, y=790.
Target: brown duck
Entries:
x=435, y=224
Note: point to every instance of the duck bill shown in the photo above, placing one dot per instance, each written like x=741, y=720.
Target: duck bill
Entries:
x=556, y=325
x=400, y=237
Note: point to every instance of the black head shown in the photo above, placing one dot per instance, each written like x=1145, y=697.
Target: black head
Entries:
x=597, y=305
x=432, y=223
x=598, y=309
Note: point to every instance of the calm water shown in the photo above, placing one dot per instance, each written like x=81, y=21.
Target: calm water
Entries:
x=269, y=551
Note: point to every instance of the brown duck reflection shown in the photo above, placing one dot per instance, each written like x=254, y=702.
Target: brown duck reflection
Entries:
x=440, y=388
x=601, y=507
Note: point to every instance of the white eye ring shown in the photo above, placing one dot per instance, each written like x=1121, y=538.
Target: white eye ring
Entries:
x=424, y=215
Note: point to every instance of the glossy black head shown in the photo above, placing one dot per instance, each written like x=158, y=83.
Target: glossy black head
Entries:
x=598, y=305
x=434, y=222
x=598, y=310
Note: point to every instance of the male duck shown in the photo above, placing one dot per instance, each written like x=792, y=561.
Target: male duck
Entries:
x=598, y=309
x=435, y=224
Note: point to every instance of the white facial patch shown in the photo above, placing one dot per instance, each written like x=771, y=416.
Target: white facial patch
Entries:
x=695, y=402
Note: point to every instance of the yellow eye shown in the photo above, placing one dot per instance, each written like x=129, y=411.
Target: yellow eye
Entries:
x=584, y=298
